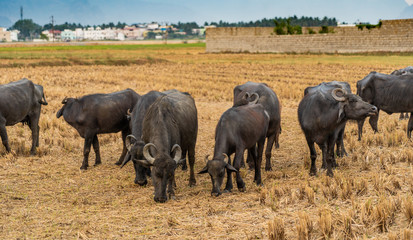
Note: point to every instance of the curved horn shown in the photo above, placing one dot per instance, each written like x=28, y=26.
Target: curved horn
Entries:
x=64, y=101
x=334, y=94
x=147, y=154
x=226, y=158
x=207, y=158
x=178, y=153
x=257, y=97
x=127, y=158
x=128, y=142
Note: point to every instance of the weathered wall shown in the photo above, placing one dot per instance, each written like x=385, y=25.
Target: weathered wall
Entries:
x=393, y=36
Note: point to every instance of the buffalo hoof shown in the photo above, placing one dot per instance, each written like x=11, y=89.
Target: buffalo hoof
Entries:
x=215, y=194
x=313, y=172
x=330, y=173
x=227, y=190
x=32, y=153
x=97, y=163
x=268, y=168
x=184, y=167
x=243, y=189
x=118, y=163
x=141, y=183
x=192, y=183
x=83, y=167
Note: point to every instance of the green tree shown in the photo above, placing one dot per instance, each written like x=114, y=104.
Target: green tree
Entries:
x=44, y=37
x=28, y=29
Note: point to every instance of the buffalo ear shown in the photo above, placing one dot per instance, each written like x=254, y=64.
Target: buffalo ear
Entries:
x=129, y=141
x=231, y=168
x=204, y=170
x=341, y=113
x=144, y=163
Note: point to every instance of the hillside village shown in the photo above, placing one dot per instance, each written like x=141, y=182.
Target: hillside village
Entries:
x=133, y=32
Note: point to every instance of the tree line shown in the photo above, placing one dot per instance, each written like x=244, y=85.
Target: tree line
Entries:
x=29, y=29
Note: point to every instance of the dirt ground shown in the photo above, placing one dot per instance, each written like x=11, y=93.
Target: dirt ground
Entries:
x=48, y=196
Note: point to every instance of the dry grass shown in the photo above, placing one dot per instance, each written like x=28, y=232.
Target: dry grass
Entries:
x=47, y=196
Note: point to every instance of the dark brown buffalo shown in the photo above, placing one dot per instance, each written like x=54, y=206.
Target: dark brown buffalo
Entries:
x=239, y=128
x=169, y=132
x=269, y=100
x=390, y=93
x=374, y=119
x=21, y=101
x=96, y=114
x=134, y=142
x=322, y=114
x=328, y=87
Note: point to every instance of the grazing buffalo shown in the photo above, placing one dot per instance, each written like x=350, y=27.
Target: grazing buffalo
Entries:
x=269, y=100
x=328, y=87
x=403, y=71
x=239, y=128
x=134, y=142
x=21, y=101
x=322, y=114
x=99, y=113
x=169, y=131
x=373, y=120
x=390, y=93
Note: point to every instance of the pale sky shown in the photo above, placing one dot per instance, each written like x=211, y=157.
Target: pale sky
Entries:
x=144, y=11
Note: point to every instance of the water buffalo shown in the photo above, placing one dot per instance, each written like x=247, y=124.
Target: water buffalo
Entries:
x=239, y=128
x=390, y=93
x=269, y=100
x=169, y=131
x=21, y=101
x=96, y=114
x=322, y=114
x=134, y=142
x=403, y=71
x=328, y=87
x=373, y=120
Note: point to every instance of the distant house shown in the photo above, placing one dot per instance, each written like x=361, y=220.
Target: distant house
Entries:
x=68, y=35
x=53, y=35
x=4, y=35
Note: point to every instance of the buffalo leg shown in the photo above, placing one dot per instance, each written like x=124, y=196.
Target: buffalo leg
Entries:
x=97, y=151
x=125, y=133
x=341, y=151
x=239, y=156
x=330, y=156
x=229, y=186
x=406, y=116
x=34, y=126
x=401, y=116
x=313, y=156
x=3, y=134
x=373, y=121
x=410, y=126
x=323, y=148
x=360, y=124
x=260, y=149
x=270, y=142
x=250, y=158
x=191, y=161
x=86, y=151
x=184, y=165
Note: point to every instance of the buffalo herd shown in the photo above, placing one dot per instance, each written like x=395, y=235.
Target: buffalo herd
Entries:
x=159, y=129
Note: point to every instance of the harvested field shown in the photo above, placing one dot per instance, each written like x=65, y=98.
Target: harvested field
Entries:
x=48, y=196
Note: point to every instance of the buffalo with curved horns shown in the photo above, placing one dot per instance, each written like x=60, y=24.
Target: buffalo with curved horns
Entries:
x=239, y=128
x=269, y=100
x=169, y=132
x=323, y=114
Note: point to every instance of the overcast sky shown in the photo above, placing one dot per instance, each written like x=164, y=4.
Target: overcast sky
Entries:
x=143, y=11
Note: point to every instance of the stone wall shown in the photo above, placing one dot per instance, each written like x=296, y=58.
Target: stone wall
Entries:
x=392, y=36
